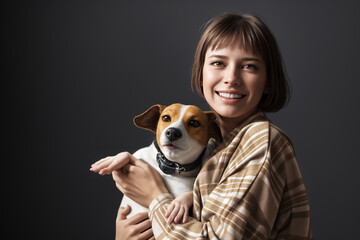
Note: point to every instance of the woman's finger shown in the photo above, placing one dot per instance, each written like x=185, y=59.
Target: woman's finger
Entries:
x=103, y=167
x=139, y=217
x=143, y=226
x=100, y=161
x=131, y=167
x=173, y=214
x=109, y=158
x=170, y=209
x=117, y=164
x=117, y=161
x=101, y=164
x=128, y=167
x=123, y=212
x=179, y=215
x=147, y=234
x=185, y=217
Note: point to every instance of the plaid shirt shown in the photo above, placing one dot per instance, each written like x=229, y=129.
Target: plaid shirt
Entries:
x=251, y=188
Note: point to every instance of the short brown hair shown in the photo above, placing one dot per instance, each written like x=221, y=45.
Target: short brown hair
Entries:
x=251, y=34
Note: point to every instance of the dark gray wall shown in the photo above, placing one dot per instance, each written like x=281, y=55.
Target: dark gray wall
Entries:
x=76, y=72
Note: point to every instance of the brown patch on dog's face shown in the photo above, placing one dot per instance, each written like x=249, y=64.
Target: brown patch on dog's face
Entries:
x=168, y=116
x=195, y=121
x=197, y=125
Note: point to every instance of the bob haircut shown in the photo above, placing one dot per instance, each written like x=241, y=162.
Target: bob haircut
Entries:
x=251, y=34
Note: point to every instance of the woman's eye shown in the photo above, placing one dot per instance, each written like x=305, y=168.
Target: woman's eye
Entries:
x=218, y=64
x=194, y=123
x=250, y=67
x=166, y=118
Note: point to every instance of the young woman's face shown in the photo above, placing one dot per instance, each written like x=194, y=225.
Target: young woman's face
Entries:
x=233, y=82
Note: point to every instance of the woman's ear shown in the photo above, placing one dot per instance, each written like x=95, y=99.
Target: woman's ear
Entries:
x=149, y=119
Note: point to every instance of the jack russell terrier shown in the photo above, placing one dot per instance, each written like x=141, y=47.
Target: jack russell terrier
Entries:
x=184, y=140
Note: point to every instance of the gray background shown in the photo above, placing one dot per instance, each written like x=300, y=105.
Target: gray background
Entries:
x=76, y=72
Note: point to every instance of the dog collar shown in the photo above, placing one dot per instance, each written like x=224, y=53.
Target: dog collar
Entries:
x=170, y=167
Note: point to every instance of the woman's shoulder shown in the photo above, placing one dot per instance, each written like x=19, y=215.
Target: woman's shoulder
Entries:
x=277, y=133
x=263, y=128
x=280, y=144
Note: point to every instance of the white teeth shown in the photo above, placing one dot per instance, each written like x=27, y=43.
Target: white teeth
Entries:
x=230, y=95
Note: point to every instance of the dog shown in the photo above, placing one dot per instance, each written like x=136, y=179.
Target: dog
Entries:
x=185, y=137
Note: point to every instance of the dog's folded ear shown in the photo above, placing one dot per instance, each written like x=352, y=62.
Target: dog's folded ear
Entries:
x=149, y=119
x=214, y=126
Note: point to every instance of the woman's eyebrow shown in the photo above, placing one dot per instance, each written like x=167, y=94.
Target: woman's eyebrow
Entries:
x=252, y=59
x=217, y=56
x=243, y=59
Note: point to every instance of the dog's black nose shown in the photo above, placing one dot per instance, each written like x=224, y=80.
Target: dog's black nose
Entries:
x=173, y=134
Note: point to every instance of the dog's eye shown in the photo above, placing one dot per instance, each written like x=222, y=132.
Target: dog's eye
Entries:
x=194, y=123
x=166, y=118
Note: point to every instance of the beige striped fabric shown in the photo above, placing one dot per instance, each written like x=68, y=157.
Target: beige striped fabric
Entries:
x=250, y=189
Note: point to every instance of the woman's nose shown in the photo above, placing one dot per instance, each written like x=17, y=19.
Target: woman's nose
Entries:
x=232, y=76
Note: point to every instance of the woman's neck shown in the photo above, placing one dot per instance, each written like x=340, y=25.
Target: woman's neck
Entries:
x=228, y=124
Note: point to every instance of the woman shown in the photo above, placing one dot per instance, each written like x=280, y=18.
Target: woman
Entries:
x=251, y=188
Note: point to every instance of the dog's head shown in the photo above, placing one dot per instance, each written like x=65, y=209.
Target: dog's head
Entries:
x=182, y=131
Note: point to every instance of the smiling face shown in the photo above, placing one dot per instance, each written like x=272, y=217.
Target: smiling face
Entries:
x=233, y=82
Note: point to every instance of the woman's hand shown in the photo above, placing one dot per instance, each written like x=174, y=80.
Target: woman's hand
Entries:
x=136, y=227
x=179, y=208
x=138, y=180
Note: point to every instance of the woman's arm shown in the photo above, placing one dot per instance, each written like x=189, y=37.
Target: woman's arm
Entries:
x=259, y=195
x=243, y=205
x=224, y=212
